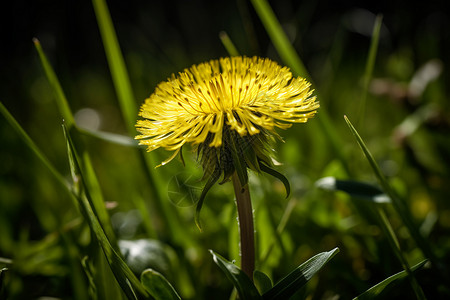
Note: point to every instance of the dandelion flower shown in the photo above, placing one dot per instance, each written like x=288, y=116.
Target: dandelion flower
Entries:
x=228, y=110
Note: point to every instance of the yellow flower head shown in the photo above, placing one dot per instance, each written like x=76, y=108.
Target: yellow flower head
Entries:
x=228, y=110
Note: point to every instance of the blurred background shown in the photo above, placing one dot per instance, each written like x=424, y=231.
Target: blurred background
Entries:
x=405, y=124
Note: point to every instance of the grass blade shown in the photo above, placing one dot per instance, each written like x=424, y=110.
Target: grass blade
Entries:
x=116, y=64
x=398, y=204
x=129, y=110
x=158, y=286
x=33, y=147
x=291, y=58
x=401, y=209
x=69, y=121
x=124, y=276
x=228, y=44
x=369, y=67
x=240, y=280
x=279, y=38
x=375, y=291
x=295, y=280
x=60, y=97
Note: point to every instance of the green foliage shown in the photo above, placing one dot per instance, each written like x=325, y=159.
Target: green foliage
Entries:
x=90, y=224
x=376, y=291
x=127, y=280
x=158, y=286
x=295, y=280
x=240, y=280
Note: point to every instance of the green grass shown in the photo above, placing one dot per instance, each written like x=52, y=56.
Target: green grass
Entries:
x=71, y=196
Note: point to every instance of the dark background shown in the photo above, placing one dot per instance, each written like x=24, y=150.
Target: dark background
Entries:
x=162, y=37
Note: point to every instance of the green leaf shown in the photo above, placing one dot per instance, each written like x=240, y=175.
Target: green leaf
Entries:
x=262, y=281
x=290, y=284
x=354, y=188
x=240, y=280
x=389, y=282
x=158, y=286
x=123, y=274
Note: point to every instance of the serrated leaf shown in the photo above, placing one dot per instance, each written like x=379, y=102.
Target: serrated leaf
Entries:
x=354, y=188
x=158, y=286
x=389, y=282
x=262, y=281
x=290, y=284
x=240, y=280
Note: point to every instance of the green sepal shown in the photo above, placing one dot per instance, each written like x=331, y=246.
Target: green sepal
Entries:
x=181, y=156
x=251, y=159
x=211, y=181
x=238, y=161
x=278, y=175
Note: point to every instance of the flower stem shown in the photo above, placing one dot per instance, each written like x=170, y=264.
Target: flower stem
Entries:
x=245, y=217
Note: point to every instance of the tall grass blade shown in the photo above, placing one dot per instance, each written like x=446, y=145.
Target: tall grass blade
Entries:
x=228, y=44
x=279, y=38
x=291, y=58
x=129, y=109
x=33, y=147
x=401, y=209
x=370, y=63
x=124, y=276
x=60, y=97
x=116, y=64
x=69, y=121
x=375, y=291
x=398, y=204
